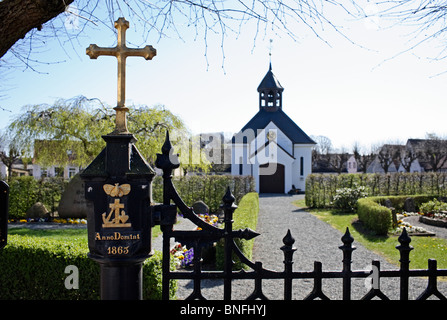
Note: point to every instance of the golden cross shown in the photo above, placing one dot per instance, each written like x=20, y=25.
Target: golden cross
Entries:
x=121, y=52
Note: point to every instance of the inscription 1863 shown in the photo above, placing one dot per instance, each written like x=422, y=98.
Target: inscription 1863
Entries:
x=113, y=242
x=119, y=243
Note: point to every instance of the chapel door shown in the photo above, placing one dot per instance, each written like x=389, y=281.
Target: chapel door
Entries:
x=271, y=183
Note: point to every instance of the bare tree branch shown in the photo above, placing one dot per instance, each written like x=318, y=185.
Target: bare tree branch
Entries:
x=175, y=18
x=426, y=20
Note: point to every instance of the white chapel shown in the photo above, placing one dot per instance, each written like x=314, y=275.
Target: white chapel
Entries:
x=271, y=147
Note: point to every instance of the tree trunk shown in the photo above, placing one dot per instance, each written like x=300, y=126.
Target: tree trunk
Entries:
x=18, y=17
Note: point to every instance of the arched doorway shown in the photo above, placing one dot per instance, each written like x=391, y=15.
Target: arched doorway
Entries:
x=271, y=178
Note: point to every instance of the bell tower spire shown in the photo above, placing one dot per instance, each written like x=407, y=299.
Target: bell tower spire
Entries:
x=270, y=92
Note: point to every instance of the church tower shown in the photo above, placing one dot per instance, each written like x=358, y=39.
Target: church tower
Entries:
x=270, y=92
x=271, y=147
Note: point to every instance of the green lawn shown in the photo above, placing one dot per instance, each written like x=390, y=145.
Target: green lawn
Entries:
x=424, y=247
x=72, y=235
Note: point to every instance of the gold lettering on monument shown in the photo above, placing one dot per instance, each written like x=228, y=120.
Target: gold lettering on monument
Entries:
x=117, y=236
x=116, y=218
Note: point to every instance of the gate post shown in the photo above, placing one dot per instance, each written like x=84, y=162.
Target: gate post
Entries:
x=119, y=182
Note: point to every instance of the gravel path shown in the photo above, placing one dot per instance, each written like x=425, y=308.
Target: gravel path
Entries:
x=315, y=240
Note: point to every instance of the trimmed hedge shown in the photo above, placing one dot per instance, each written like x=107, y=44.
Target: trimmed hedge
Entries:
x=377, y=217
x=245, y=216
x=26, y=191
x=208, y=188
x=321, y=188
x=33, y=268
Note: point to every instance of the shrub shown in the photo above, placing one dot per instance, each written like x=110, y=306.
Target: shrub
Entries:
x=433, y=206
x=34, y=268
x=208, y=188
x=375, y=217
x=22, y=195
x=346, y=198
x=245, y=216
x=26, y=191
x=397, y=202
x=152, y=277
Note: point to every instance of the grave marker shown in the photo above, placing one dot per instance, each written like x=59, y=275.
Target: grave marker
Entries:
x=118, y=183
x=73, y=203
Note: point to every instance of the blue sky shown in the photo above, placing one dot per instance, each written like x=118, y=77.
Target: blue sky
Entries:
x=347, y=92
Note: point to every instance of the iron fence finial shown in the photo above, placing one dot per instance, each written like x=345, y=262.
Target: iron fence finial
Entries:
x=288, y=240
x=228, y=197
x=404, y=240
x=347, y=239
x=167, y=160
x=404, y=247
x=228, y=200
x=167, y=146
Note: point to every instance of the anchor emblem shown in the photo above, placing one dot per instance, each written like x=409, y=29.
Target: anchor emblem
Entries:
x=120, y=217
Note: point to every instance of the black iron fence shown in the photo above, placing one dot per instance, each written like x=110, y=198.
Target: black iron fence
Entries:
x=198, y=239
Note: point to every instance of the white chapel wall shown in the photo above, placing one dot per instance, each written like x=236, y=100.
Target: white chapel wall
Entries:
x=305, y=152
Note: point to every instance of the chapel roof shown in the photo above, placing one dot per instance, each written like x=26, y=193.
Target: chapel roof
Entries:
x=281, y=120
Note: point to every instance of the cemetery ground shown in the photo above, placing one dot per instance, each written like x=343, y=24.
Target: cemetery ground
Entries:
x=425, y=247
x=384, y=246
x=69, y=233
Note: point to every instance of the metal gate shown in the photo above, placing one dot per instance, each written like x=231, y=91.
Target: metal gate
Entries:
x=167, y=161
